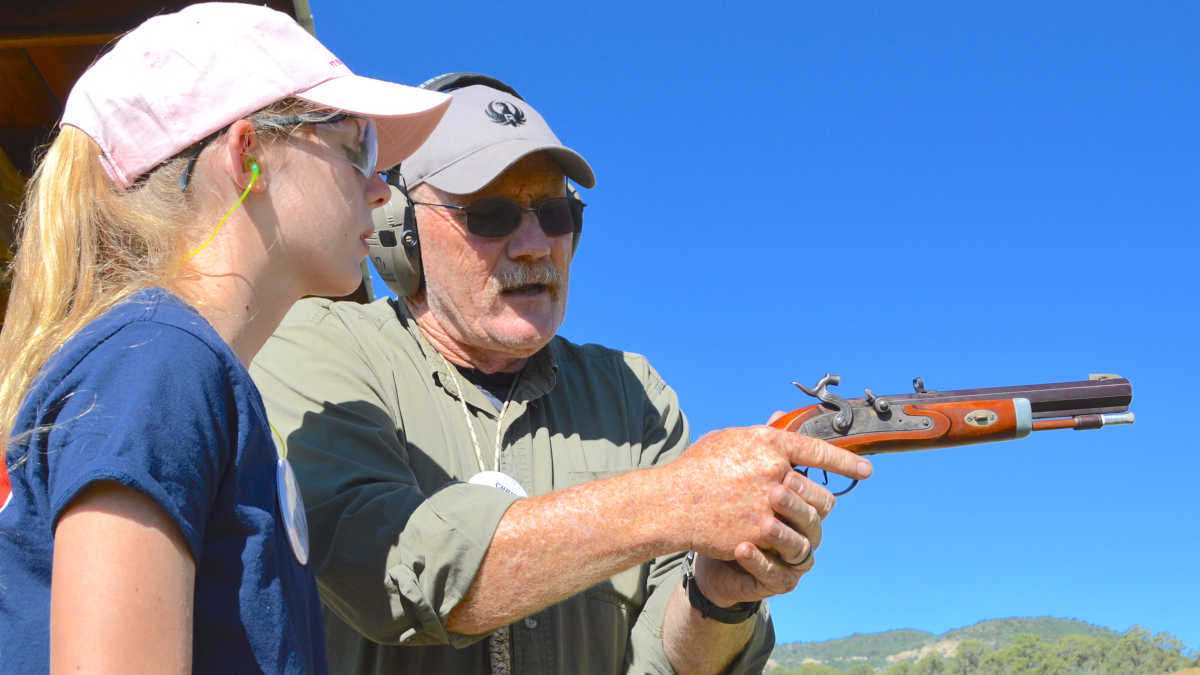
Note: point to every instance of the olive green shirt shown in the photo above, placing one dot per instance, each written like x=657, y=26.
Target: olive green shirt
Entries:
x=380, y=443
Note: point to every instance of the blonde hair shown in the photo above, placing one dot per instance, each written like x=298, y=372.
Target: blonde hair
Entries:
x=84, y=245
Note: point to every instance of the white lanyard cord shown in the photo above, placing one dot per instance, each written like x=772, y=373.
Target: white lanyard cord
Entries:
x=462, y=400
x=499, y=656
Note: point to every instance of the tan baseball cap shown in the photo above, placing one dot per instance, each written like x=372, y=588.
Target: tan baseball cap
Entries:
x=484, y=132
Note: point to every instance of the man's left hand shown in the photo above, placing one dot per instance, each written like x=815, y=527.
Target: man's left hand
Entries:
x=755, y=574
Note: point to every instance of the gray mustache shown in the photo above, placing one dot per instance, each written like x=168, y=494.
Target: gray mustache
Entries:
x=528, y=275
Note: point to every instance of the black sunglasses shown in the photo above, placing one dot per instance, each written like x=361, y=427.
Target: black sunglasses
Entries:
x=496, y=217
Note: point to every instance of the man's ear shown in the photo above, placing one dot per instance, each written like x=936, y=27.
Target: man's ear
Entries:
x=240, y=160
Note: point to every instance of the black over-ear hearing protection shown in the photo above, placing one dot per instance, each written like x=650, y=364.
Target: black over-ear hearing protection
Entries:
x=395, y=248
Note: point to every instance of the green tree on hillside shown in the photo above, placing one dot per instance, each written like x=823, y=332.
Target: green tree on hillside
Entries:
x=1080, y=652
x=931, y=664
x=901, y=668
x=968, y=658
x=1130, y=653
x=993, y=664
x=1137, y=652
x=1028, y=655
x=1174, y=658
x=861, y=669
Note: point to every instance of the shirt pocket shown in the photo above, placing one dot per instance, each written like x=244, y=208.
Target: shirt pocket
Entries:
x=576, y=461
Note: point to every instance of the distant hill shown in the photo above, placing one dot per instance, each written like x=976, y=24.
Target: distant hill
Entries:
x=999, y=633
x=881, y=650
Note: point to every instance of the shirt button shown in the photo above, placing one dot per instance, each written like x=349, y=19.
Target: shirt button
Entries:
x=530, y=622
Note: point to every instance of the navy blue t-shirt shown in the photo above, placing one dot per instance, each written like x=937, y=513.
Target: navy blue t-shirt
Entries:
x=149, y=396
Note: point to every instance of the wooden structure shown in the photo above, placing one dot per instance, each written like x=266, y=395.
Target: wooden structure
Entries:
x=44, y=47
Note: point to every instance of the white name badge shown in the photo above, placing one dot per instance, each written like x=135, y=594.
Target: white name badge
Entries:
x=499, y=480
x=291, y=508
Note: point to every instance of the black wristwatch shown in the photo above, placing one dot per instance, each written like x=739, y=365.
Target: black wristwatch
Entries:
x=731, y=615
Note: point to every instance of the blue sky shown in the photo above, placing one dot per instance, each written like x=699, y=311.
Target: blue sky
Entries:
x=979, y=195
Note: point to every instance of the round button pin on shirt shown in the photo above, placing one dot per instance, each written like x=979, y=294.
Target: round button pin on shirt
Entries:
x=499, y=480
x=291, y=507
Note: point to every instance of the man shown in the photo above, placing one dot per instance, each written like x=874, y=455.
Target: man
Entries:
x=389, y=409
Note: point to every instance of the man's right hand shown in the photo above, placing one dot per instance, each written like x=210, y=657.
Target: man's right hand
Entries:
x=739, y=485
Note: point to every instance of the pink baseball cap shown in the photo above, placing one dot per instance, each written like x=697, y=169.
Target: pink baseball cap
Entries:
x=179, y=77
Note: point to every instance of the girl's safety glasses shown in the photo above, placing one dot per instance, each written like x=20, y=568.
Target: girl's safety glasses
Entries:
x=361, y=149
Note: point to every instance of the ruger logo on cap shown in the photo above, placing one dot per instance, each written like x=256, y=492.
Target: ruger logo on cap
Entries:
x=503, y=112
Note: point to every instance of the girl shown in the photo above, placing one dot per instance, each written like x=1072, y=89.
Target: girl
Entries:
x=214, y=167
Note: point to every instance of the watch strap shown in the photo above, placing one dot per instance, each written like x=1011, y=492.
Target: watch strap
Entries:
x=734, y=614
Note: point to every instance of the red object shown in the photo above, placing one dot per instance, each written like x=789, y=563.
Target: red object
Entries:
x=5, y=487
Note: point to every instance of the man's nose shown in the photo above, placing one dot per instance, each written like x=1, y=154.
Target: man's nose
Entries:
x=528, y=240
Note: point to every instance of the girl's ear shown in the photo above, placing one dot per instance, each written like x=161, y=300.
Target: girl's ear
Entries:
x=239, y=158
